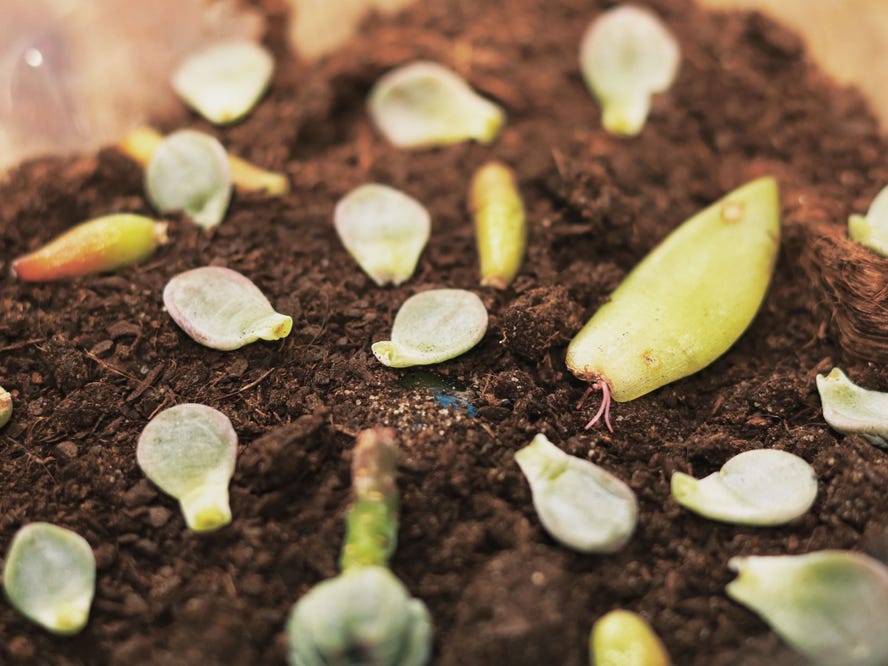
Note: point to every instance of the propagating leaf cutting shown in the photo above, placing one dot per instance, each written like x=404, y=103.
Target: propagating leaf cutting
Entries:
x=103, y=244
x=500, y=223
x=850, y=409
x=871, y=230
x=225, y=80
x=384, y=230
x=50, y=577
x=831, y=606
x=432, y=327
x=685, y=303
x=624, y=638
x=189, y=172
x=5, y=406
x=189, y=452
x=222, y=309
x=627, y=55
x=364, y=615
x=423, y=104
x=581, y=505
x=758, y=487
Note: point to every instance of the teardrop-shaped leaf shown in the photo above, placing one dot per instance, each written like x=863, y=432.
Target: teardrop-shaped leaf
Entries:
x=432, y=327
x=871, y=230
x=425, y=104
x=850, y=409
x=225, y=80
x=579, y=503
x=222, y=309
x=758, y=487
x=623, y=638
x=384, y=230
x=189, y=172
x=50, y=577
x=830, y=605
x=627, y=55
x=189, y=452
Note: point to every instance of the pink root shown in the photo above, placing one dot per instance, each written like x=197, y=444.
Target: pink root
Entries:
x=604, y=408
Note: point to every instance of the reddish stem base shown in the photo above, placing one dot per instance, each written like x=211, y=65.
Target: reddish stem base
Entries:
x=604, y=409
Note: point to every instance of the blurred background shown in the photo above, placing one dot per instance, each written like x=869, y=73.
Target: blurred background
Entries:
x=77, y=75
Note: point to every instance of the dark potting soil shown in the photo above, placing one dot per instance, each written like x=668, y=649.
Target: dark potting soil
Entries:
x=91, y=360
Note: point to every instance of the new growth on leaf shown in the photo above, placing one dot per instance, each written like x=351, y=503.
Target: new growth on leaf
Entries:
x=384, y=230
x=580, y=504
x=103, y=244
x=500, y=223
x=626, y=56
x=424, y=104
x=50, y=577
x=189, y=452
x=871, y=230
x=222, y=309
x=365, y=615
x=624, y=638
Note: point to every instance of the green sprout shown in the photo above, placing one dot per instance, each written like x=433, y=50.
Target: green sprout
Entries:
x=189, y=452
x=624, y=638
x=627, y=55
x=871, y=230
x=831, y=606
x=384, y=230
x=581, y=505
x=50, y=577
x=365, y=616
x=189, y=172
x=5, y=406
x=850, y=409
x=224, y=81
x=424, y=104
x=432, y=327
x=685, y=303
x=222, y=309
x=758, y=487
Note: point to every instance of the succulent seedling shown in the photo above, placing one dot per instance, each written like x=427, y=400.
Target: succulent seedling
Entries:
x=103, y=244
x=365, y=615
x=850, y=409
x=758, y=487
x=580, y=504
x=500, y=223
x=624, y=638
x=189, y=452
x=831, y=606
x=224, y=81
x=424, y=104
x=222, y=309
x=871, y=230
x=141, y=144
x=432, y=327
x=189, y=172
x=50, y=577
x=627, y=55
x=384, y=230
x=5, y=406
x=685, y=303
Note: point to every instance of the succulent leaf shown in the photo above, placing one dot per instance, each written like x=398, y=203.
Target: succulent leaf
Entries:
x=850, y=409
x=871, y=230
x=623, y=638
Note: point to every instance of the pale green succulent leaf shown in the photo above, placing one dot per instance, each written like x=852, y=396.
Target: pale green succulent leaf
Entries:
x=222, y=309
x=424, y=104
x=830, y=605
x=871, y=230
x=623, y=638
x=189, y=172
x=850, y=409
x=189, y=452
x=580, y=504
x=384, y=230
x=758, y=487
x=363, y=616
x=626, y=55
x=432, y=327
x=224, y=81
x=50, y=577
